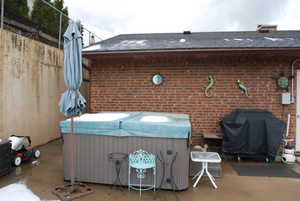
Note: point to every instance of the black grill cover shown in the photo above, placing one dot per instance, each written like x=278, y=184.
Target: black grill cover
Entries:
x=252, y=132
x=5, y=157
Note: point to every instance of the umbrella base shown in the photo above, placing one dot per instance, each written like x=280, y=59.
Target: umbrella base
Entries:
x=70, y=192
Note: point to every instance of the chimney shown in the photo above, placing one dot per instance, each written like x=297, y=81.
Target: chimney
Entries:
x=264, y=28
x=187, y=32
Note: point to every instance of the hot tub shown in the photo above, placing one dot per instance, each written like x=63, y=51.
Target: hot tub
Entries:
x=97, y=135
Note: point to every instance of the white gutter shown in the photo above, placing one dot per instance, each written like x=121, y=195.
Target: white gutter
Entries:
x=187, y=50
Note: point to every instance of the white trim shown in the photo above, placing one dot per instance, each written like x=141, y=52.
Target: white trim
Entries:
x=100, y=52
x=298, y=111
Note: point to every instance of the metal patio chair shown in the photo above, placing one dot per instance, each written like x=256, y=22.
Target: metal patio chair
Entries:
x=141, y=160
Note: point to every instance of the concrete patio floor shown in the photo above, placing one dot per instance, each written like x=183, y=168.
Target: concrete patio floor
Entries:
x=42, y=178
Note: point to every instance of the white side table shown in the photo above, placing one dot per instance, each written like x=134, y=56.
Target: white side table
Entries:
x=205, y=158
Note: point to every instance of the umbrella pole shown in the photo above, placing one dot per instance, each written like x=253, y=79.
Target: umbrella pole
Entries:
x=72, y=149
x=73, y=190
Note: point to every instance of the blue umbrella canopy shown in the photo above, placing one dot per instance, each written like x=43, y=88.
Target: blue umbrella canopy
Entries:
x=72, y=103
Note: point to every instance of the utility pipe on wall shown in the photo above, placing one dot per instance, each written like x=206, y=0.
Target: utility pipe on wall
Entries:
x=293, y=63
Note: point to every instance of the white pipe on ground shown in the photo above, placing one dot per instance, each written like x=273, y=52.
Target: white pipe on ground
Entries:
x=288, y=126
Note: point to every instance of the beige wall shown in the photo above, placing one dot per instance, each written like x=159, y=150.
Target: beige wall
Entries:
x=31, y=75
x=1, y=83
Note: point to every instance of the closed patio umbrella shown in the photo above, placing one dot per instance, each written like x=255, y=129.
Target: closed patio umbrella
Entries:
x=72, y=103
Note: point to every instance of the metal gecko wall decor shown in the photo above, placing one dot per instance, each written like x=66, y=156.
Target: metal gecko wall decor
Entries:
x=209, y=87
x=243, y=87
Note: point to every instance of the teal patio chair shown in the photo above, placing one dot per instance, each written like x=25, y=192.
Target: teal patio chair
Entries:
x=141, y=160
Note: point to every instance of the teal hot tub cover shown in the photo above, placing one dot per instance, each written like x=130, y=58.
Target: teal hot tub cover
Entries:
x=144, y=124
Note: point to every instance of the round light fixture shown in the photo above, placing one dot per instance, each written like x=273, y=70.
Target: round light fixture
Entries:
x=157, y=79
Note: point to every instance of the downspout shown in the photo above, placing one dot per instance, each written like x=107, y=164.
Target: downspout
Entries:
x=294, y=62
x=293, y=99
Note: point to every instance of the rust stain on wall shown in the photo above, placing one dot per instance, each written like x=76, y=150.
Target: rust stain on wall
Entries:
x=16, y=67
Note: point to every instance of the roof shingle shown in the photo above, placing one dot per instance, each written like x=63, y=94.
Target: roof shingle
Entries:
x=199, y=40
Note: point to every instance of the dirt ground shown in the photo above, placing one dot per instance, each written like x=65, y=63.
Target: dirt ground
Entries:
x=42, y=179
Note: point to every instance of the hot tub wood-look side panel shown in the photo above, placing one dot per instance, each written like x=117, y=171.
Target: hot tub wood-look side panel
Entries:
x=94, y=166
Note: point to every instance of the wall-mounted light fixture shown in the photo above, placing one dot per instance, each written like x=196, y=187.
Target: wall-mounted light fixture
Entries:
x=157, y=79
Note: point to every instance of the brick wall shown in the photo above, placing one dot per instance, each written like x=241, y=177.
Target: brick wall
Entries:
x=123, y=83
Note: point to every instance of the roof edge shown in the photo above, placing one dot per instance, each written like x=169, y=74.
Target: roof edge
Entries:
x=86, y=53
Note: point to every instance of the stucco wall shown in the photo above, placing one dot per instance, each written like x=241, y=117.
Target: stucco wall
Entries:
x=1, y=82
x=123, y=83
x=31, y=84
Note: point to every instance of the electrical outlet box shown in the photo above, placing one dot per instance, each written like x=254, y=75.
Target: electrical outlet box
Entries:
x=286, y=98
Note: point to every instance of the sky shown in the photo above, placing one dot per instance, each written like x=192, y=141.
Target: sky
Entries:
x=113, y=17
